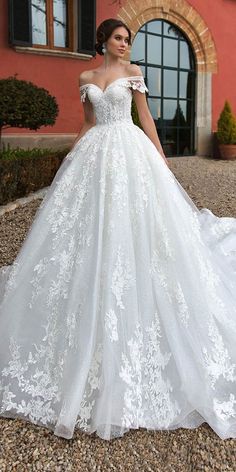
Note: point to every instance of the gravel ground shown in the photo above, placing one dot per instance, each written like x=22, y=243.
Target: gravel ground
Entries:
x=26, y=447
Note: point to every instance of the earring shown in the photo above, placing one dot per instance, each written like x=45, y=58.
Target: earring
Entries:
x=104, y=48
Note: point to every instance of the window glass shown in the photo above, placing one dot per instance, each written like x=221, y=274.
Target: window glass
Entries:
x=184, y=55
x=60, y=23
x=186, y=110
x=171, y=30
x=170, y=111
x=39, y=22
x=154, y=49
x=155, y=107
x=170, y=52
x=171, y=97
x=154, y=27
x=154, y=80
x=185, y=84
x=138, y=48
x=170, y=83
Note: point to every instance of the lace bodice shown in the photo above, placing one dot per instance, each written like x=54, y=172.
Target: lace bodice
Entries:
x=113, y=103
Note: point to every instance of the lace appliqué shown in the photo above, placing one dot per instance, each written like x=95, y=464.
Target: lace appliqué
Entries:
x=59, y=285
x=137, y=83
x=122, y=278
x=72, y=328
x=225, y=410
x=41, y=386
x=157, y=389
x=217, y=361
x=12, y=278
x=93, y=384
x=134, y=82
x=182, y=307
x=118, y=181
x=61, y=218
x=131, y=373
x=146, y=391
x=173, y=290
x=111, y=325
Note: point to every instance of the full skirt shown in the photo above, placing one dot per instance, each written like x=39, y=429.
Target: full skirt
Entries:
x=119, y=311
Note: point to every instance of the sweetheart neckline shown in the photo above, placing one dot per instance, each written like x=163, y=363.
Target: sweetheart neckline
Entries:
x=116, y=80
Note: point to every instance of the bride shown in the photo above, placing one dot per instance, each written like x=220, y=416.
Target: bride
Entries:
x=119, y=311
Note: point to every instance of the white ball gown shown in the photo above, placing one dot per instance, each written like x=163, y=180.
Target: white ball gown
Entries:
x=119, y=311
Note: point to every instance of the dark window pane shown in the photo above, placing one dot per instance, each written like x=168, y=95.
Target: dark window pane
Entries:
x=86, y=26
x=39, y=22
x=155, y=107
x=19, y=17
x=60, y=23
x=154, y=27
x=154, y=80
x=177, y=142
x=186, y=108
x=170, y=52
x=170, y=83
x=186, y=85
x=169, y=141
x=191, y=58
x=171, y=30
x=171, y=91
x=154, y=49
x=169, y=112
x=179, y=119
x=185, y=142
x=184, y=55
x=182, y=112
x=138, y=48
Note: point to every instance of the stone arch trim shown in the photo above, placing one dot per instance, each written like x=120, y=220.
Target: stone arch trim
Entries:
x=135, y=13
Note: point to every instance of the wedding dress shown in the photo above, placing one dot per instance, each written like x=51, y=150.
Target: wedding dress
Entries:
x=119, y=311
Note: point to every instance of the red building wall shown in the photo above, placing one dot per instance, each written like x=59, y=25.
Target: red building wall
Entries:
x=60, y=75
x=57, y=74
x=220, y=17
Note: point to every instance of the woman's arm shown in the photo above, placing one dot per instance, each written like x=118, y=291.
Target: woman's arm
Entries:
x=147, y=122
x=145, y=116
x=89, y=117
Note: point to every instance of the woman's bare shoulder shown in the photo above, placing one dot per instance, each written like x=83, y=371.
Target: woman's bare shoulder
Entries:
x=85, y=77
x=133, y=70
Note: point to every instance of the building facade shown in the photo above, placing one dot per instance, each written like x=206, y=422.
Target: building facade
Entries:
x=185, y=48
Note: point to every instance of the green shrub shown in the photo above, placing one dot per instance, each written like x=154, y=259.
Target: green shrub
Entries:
x=226, y=126
x=24, y=171
x=24, y=105
x=8, y=154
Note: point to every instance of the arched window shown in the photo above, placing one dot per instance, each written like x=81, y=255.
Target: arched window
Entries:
x=167, y=61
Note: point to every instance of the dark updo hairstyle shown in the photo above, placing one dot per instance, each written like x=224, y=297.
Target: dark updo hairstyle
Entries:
x=105, y=30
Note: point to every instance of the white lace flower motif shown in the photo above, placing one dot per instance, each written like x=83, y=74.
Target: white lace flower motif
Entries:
x=111, y=325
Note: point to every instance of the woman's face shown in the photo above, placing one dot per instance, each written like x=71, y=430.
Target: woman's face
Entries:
x=117, y=44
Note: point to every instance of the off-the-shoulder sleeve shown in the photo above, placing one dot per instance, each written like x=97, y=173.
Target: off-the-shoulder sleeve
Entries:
x=137, y=83
x=83, y=92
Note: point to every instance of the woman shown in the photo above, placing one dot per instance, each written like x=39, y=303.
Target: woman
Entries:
x=120, y=309
x=118, y=38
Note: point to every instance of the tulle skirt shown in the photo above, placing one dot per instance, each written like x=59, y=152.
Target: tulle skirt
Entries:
x=119, y=311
